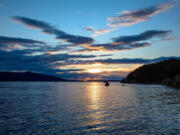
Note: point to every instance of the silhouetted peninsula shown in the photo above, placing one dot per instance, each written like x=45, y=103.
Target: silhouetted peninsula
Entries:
x=27, y=76
x=166, y=72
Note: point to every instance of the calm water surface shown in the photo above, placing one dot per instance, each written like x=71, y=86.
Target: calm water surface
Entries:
x=66, y=108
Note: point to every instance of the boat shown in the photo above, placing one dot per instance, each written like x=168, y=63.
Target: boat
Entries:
x=106, y=83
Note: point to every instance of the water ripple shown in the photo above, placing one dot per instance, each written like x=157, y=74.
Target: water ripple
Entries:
x=36, y=108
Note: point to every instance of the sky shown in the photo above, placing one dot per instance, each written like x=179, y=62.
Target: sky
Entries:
x=87, y=39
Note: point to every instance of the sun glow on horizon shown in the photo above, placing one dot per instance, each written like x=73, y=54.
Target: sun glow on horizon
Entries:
x=94, y=70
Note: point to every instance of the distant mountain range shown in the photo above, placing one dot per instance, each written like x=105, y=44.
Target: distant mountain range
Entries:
x=166, y=72
x=27, y=76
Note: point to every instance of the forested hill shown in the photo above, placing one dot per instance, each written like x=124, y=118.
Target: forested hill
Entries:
x=166, y=72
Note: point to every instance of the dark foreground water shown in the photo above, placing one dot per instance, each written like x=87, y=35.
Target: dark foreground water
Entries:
x=67, y=108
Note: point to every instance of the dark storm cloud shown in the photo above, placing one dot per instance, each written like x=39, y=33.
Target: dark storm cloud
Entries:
x=61, y=57
x=128, y=18
x=47, y=28
x=33, y=46
x=49, y=49
x=23, y=56
x=19, y=60
x=121, y=47
x=14, y=40
x=122, y=60
x=122, y=43
x=11, y=43
x=110, y=47
x=142, y=36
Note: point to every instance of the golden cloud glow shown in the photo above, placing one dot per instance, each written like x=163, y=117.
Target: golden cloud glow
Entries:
x=98, y=67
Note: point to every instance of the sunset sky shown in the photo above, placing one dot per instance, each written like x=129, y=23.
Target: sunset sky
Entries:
x=87, y=39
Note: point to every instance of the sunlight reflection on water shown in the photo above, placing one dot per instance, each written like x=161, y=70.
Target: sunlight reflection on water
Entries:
x=88, y=108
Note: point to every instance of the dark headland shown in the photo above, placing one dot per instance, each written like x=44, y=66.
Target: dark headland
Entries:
x=27, y=76
x=166, y=73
